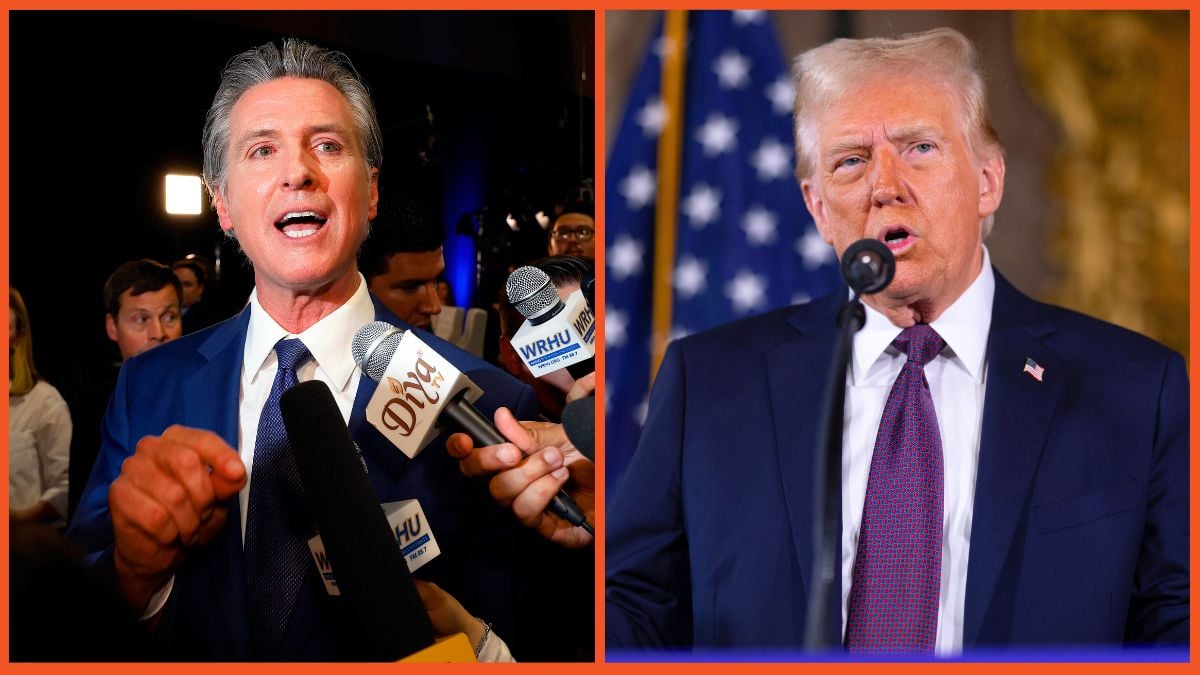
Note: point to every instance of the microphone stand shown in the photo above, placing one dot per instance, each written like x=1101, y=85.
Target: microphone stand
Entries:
x=827, y=513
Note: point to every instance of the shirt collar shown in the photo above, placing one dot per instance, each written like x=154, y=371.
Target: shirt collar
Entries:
x=328, y=339
x=964, y=326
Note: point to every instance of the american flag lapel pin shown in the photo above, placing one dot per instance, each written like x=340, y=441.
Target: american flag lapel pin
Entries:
x=1035, y=371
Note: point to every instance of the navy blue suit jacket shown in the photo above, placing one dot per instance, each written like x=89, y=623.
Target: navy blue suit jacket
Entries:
x=195, y=381
x=1080, y=525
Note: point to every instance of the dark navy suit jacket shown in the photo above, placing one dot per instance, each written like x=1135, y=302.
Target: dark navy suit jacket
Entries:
x=195, y=381
x=1080, y=525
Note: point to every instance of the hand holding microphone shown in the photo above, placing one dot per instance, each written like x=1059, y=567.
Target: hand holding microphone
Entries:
x=538, y=463
x=420, y=392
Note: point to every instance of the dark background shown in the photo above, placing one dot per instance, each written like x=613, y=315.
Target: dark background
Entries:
x=104, y=104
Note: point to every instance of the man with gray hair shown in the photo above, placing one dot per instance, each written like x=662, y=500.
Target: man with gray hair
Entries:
x=194, y=505
x=1012, y=474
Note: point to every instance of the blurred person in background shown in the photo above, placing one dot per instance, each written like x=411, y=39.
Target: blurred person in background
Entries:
x=39, y=431
x=402, y=260
x=574, y=230
x=142, y=300
x=197, y=312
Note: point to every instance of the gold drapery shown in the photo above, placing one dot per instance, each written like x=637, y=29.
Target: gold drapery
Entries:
x=1116, y=84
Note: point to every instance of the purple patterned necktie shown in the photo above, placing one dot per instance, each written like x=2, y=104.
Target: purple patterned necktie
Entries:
x=278, y=522
x=897, y=570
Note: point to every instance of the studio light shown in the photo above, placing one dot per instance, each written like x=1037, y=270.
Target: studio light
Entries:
x=183, y=194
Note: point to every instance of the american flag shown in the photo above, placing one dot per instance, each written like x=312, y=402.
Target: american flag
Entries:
x=1032, y=367
x=744, y=242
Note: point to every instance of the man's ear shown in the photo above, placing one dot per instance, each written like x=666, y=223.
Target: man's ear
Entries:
x=110, y=327
x=991, y=183
x=222, y=210
x=816, y=208
x=374, y=208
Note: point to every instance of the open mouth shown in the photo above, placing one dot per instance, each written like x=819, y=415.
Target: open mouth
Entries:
x=895, y=235
x=300, y=224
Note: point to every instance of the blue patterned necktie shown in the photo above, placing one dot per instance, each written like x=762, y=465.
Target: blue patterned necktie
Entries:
x=278, y=522
x=893, y=604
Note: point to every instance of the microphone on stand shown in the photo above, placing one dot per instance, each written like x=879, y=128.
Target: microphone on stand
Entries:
x=868, y=267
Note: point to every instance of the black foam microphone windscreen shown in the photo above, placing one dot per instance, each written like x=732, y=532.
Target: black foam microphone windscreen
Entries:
x=579, y=421
x=372, y=574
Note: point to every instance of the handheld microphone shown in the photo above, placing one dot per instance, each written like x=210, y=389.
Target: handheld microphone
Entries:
x=579, y=421
x=868, y=266
x=420, y=392
x=589, y=292
x=557, y=334
x=372, y=574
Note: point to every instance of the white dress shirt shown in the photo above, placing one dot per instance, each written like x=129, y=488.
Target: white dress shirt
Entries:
x=957, y=380
x=39, y=448
x=328, y=340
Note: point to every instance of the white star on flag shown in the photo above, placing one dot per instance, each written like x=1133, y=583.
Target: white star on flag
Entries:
x=800, y=298
x=732, y=69
x=745, y=17
x=625, y=257
x=678, y=332
x=759, y=224
x=747, y=291
x=814, y=250
x=718, y=134
x=782, y=94
x=690, y=276
x=702, y=205
x=652, y=117
x=739, y=238
x=639, y=411
x=772, y=159
x=615, y=323
x=638, y=188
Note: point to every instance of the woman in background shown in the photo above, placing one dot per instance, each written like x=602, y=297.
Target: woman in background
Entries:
x=39, y=431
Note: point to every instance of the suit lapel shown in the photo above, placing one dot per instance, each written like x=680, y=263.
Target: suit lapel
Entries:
x=213, y=390
x=385, y=463
x=1018, y=411
x=797, y=391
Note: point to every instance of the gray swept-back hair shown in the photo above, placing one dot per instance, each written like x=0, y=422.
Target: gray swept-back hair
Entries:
x=262, y=64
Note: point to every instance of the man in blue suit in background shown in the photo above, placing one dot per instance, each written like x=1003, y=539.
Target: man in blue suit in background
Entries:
x=1012, y=474
x=292, y=153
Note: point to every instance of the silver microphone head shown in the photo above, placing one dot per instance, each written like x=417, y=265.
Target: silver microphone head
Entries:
x=531, y=292
x=373, y=347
